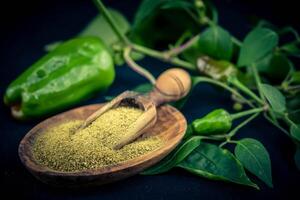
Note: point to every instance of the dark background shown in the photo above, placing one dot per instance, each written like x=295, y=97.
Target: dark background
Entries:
x=26, y=26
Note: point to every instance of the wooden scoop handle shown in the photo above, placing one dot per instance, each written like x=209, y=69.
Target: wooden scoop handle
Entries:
x=113, y=103
x=171, y=85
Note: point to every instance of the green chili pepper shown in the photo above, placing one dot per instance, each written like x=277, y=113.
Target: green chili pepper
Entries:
x=216, y=69
x=216, y=122
x=70, y=73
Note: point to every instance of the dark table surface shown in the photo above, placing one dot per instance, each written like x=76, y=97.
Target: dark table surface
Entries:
x=27, y=28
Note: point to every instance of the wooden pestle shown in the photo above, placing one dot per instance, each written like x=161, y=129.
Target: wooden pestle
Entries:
x=171, y=85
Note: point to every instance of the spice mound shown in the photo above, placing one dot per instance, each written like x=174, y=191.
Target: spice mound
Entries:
x=63, y=149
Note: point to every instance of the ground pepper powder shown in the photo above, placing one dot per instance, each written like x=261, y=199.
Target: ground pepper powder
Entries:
x=62, y=149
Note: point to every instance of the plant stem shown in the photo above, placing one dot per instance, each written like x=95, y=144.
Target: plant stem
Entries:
x=212, y=138
x=233, y=141
x=234, y=81
x=289, y=29
x=293, y=87
x=276, y=124
x=223, y=143
x=220, y=84
x=288, y=121
x=258, y=81
x=238, y=127
x=137, y=68
x=183, y=47
x=258, y=84
x=236, y=41
x=194, y=17
x=161, y=56
x=183, y=37
x=110, y=20
x=245, y=113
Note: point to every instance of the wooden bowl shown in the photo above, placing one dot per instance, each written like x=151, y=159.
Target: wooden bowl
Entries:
x=170, y=127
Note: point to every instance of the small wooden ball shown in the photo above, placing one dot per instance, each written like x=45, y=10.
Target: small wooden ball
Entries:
x=174, y=82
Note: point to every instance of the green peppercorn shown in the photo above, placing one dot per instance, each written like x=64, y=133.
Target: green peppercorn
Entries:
x=237, y=106
x=216, y=122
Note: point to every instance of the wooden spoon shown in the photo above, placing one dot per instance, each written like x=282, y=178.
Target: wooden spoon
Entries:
x=171, y=85
x=170, y=126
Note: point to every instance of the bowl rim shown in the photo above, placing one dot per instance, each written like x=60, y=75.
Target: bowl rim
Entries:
x=26, y=157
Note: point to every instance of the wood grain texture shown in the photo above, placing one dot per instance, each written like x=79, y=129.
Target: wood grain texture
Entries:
x=170, y=126
x=172, y=85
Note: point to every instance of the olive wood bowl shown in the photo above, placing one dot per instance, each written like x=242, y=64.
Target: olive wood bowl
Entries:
x=170, y=127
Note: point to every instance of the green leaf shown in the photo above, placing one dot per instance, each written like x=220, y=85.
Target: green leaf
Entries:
x=189, y=132
x=143, y=88
x=212, y=11
x=295, y=131
x=291, y=49
x=263, y=65
x=216, y=42
x=293, y=104
x=166, y=19
x=255, y=158
x=212, y=162
x=146, y=9
x=179, y=104
x=175, y=157
x=294, y=115
x=192, y=53
x=289, y=29
x=295, y=78
x=266, y=24
x=297, y=158
x=257, y=44
x=109, y=98
x=179, y=4
x=275, y=97
x=279, y=67
x=275, y=66
x=100, y=27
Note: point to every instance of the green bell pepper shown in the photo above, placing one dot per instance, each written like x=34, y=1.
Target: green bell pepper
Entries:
x=73, y=71
x=218, y=121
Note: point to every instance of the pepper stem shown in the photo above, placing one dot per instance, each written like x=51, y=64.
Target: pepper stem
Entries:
x=234, y=81
x=245, y=113
x=238, y=127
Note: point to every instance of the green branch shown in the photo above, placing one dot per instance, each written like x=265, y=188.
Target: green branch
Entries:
x=238, y=127
x=276, y=124
x=245, y=113
x=137, y=68
x=257, y=80
x=177, y=50
x=226, y=87
x=234, y=81
x=110, y=20
x=162, y=56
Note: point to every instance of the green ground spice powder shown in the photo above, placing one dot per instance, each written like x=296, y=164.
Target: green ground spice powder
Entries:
x=61, y=149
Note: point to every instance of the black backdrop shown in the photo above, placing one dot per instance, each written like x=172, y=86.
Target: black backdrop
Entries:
x=26, y=26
